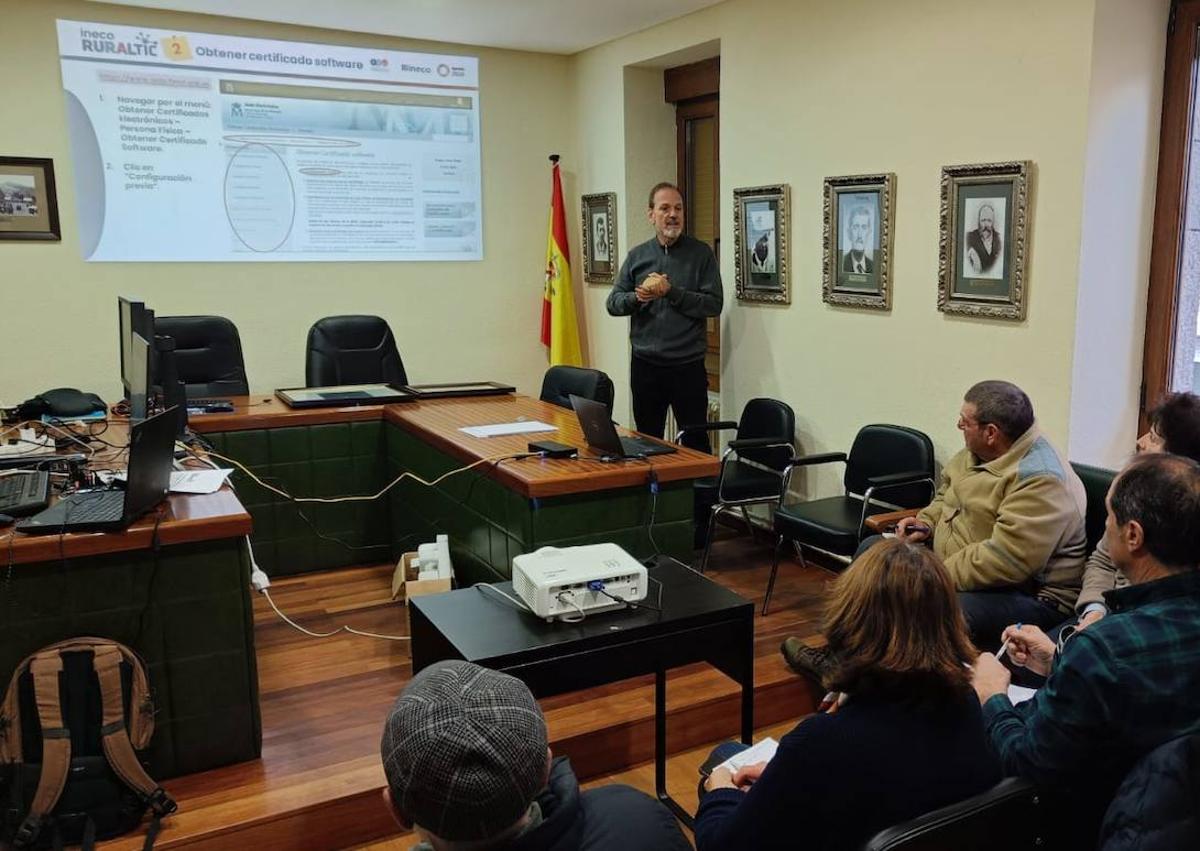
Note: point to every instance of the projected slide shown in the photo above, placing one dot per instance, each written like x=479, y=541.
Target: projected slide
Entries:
x=196, y=147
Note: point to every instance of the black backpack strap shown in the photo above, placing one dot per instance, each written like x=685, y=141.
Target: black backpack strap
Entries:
x=117, y=748
x=56, y=746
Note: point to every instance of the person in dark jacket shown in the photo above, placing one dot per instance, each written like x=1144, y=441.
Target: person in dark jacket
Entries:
x=1157, y=807
x=468, y=766
x=669, y=286
x=906, y=736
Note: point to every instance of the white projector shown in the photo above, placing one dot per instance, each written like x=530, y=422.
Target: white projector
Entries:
x=561, y=583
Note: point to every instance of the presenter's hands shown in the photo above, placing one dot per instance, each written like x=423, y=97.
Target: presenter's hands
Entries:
x=912, y=530
x=989, y=677
x=973, y=261
x=1089, y=619
x=1030, y=648
x=655, y=286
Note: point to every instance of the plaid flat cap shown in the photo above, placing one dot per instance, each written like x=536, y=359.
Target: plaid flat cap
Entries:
x=464, y=750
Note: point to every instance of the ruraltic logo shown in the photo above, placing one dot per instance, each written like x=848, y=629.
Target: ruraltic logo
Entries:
x=102, y=41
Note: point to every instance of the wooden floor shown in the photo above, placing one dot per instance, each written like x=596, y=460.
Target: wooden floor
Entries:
x=324, y=701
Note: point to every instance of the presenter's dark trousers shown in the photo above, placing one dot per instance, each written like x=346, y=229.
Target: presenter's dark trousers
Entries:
x=683, y=388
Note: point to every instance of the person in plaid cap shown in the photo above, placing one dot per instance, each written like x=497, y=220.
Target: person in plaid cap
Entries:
x=468, y=766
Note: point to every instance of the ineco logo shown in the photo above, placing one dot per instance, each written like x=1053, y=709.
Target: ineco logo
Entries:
x=100, y=41
x=417, y=69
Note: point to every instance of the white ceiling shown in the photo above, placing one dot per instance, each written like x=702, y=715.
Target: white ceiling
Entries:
x=550, y=26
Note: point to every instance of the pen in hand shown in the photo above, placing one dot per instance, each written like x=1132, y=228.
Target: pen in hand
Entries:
x=1004, y=647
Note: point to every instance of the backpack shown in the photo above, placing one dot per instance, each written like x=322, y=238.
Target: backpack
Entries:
x=72, y=718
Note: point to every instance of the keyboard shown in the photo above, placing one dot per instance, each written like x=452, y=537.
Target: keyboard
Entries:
x=78, y=512
x=24, y=493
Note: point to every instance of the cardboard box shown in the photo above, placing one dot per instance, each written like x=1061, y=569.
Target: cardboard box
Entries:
x=405, y=583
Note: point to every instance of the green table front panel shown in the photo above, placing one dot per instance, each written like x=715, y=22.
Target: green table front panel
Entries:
x=186, y=611
x=489, y=524
x=340, y=459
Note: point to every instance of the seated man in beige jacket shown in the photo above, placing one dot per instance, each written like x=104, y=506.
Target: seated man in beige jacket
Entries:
x=1008, y=517
x=1007, y=520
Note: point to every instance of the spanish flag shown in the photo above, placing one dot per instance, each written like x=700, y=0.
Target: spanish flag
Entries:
x=560, y=328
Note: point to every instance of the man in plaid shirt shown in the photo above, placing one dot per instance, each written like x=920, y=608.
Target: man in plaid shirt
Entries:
x=1131, y=681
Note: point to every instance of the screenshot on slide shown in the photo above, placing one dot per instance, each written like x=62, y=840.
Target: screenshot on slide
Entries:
x=199, y=147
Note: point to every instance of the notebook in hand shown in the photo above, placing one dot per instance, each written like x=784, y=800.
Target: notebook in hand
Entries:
x=151, y=453
x=601, y=434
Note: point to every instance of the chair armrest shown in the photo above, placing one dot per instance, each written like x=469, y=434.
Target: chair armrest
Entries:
x=823, y=458
x=717, y=426
x=761, y=443
x=886, y=522
x=911, y=477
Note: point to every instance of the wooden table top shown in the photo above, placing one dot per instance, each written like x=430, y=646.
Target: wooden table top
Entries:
x=181, y=518
x=438, y=422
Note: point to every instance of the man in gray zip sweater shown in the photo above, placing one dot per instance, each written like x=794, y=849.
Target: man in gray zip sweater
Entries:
x=668, y=286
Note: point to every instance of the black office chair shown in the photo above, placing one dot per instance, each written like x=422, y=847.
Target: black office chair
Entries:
x=1007, y=817
x=352, y=350
x=208, y=355
x=886, y=462
x=1157, y=805
x=753, y=467
x=1096, y=482
x=563, y=382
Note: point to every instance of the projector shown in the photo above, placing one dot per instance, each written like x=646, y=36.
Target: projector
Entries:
x=558, y=583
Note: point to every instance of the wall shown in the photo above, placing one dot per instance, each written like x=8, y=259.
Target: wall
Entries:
x=1124, y=111
x=921, y=84
x=58, y=322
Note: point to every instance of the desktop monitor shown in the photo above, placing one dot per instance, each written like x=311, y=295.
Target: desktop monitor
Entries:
x=132, y=317
x=137, y=364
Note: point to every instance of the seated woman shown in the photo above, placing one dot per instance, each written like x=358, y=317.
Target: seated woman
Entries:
x=905, y=736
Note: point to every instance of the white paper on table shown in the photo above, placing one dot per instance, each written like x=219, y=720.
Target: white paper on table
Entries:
x=1020, y=694
x=501, y=429
x=192, y=481
x=758, y=752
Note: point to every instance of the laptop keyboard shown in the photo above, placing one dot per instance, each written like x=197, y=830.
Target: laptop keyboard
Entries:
x=93, y=507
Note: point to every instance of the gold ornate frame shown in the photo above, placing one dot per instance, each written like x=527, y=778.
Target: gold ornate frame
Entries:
x=1011, y=306
x=599, y=272
x=775, y=291
x=885, y=185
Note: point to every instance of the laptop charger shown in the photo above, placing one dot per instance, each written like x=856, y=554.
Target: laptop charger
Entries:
x=553, y=449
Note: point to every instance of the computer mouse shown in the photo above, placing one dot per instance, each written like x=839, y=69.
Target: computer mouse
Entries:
x=5, y=519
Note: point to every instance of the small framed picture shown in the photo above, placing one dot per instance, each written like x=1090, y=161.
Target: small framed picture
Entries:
x=857, y=240
x=982, y=245
x=28, y=202
x=760, y=259
x=600, y=238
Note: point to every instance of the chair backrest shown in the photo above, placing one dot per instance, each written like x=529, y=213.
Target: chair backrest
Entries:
x=208, y=354
x=1156, y=805
x=1096, y=482
x=767, y=418
x=1006, y=817
x=563, y=382
x=882, y=450
x=352, y=350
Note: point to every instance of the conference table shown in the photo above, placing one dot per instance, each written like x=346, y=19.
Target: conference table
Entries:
x=502, y=505
x=175, y=585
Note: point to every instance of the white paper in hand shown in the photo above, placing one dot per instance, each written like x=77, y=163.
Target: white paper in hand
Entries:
x=761, y=751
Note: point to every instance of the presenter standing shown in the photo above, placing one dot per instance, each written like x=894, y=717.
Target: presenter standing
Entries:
x=668, y=285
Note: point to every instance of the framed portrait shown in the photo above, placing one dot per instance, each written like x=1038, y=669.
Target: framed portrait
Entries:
x=858, y=240
x=760, y=228
x=982, y=246
x=28, y=202
x=600, y=238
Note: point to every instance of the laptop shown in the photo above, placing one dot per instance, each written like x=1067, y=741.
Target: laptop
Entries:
x=601, y=435
x=151, y=456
